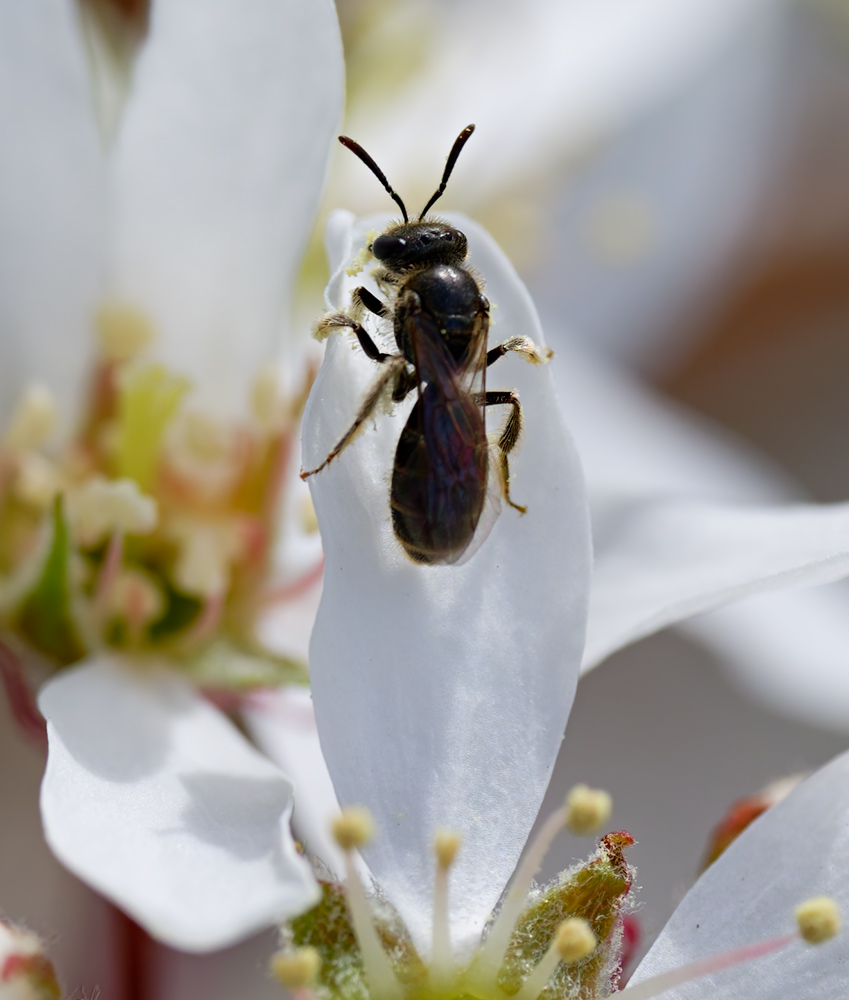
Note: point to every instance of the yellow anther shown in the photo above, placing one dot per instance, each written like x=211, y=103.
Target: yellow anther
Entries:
x=36, y=481
x=446, y=843
x=33, y=419
x=574, y=939
x=818, y=919
x=123, y=332
x=102, y=506
x=353, y=827
x=587, y=810
x=296, y=969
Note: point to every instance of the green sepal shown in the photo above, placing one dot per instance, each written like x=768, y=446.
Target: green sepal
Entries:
x=46, y=615
x=228, y=664
x=327, y=927
x=599, y=891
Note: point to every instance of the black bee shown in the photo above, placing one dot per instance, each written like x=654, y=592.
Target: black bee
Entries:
x=440, y=319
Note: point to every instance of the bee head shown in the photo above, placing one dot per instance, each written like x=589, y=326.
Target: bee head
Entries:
x=414, y=244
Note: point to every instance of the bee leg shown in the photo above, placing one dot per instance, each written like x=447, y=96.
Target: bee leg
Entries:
x=510, y=434
x=378, y=392
x=338, y=321
x=530, y=351
x=363, y=298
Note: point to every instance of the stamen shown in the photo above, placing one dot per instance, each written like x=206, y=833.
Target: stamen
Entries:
x=109, y=572
x=354, y=828
x=494, y=948
x=572, y=941
x=445, y=847
x=587, y=810
x=102, y=507
x=818, y=920
x=33, y=420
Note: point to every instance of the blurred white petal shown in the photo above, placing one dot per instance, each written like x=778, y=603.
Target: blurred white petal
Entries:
x=52, y=204
x=155, y=799
x=402, y=654
x=795, y=851
x=790, y=649
x=218, y=168
x=282, y=724
x=660, y=561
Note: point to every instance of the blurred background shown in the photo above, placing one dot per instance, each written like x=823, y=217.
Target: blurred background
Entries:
x=670, y=181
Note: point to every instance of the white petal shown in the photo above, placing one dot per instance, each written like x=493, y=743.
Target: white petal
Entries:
x=605, y=61
x=660, y=561
x=218, y=168
x=154, y=798
x=52, y=203
x=441, y=692
x=788, y=648
x=630, y=439
x=282, y=723
x=797, y=850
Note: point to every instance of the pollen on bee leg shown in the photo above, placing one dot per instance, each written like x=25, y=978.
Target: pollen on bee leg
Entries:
x=33, y=420
x=446, y=844
x=354, y=828
x=587, y=810
x=818, y=920
x=297, y=970
x=572, y=941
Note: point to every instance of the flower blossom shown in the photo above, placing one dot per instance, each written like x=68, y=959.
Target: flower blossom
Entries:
x=147, y=281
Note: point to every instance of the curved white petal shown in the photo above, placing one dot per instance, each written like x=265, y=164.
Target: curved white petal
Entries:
x=797, y=850
x=52, y=204
x=218, y=167
x=282, y=724
x=659, y=560
x=788, y=648
x=441, y=692
x=155, y=799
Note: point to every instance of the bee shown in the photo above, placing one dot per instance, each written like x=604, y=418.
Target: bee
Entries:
x=440, y=319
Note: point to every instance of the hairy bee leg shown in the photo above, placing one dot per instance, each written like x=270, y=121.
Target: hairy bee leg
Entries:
x=510, y=434
x=531, y=352
x=339, y=321
x=396, y=365
x=365, y=299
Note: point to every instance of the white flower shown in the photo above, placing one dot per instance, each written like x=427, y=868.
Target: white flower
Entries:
x=190, y=226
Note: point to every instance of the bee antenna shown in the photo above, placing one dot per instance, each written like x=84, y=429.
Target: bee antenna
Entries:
x=456, y=149
x=358, y=150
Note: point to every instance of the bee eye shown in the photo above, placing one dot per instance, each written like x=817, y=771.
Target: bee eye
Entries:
x=425, y=238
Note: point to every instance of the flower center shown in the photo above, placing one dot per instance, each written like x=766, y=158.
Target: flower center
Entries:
x=151, y=529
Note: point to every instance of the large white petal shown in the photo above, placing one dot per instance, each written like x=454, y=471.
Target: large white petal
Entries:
x=441, y=693
x=52, y=203
x=218, y=167
x=155, y=799
x=797, y=850
x=659, y=560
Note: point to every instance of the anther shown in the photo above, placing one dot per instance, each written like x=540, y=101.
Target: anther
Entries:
x=353, y=828
x=572, y=941
x=446, y=843
x=122, y=331
x=587, y=810
x=296, y=969
x=818, y=919
x=33, y=419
